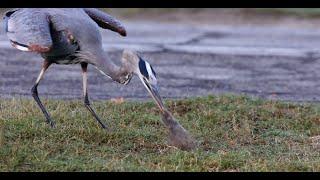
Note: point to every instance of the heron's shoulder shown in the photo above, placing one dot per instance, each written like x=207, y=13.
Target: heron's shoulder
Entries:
x=71, y=12
x=72, y=19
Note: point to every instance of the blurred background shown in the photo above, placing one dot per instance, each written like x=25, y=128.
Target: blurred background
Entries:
x=271, y=53
x=129, y=12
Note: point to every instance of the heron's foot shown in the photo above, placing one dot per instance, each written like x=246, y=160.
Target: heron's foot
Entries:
x=52, y=124
x=47, y=116
x=49, y=120
x=103, y=126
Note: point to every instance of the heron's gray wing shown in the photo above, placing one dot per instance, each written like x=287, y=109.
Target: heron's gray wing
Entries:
x=106, y=21
x=28, y=29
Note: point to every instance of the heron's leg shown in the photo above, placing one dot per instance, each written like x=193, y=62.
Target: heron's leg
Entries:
x=84, y=67
x=34, y=92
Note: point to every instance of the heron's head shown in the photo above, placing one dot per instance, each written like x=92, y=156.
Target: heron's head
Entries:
x=145, y=72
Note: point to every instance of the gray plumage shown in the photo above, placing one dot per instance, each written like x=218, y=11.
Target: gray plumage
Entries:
x=60, y=33
x=72, y=36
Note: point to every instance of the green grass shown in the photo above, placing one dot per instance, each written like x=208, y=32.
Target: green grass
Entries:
x=234, y=133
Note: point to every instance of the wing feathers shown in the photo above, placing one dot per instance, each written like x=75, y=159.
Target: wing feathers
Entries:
x=106, y=21
x=28, y=30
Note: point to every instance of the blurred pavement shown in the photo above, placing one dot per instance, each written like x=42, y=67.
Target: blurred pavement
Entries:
x=190, y=60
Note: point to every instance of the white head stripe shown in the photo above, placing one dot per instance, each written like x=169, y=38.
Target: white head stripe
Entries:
x=148, y=67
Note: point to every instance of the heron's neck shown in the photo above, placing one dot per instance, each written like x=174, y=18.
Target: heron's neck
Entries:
x=108, y=68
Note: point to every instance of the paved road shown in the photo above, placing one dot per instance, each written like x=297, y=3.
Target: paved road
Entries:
x=191, y=60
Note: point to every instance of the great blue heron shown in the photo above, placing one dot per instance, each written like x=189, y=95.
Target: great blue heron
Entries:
x=72, y=36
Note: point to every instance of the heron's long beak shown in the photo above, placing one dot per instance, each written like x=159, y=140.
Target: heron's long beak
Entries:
x=154, y=92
